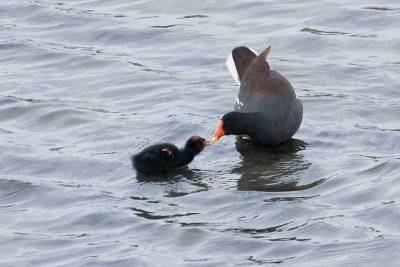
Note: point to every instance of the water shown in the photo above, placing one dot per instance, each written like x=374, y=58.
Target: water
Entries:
x=86, y=84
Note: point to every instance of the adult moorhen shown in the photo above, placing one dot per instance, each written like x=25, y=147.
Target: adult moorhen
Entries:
x=267, y=109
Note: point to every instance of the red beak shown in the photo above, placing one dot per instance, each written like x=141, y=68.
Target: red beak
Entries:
x=220, y=132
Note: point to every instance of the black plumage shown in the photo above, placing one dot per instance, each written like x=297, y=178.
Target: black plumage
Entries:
x=165, y=157
x=267, y=108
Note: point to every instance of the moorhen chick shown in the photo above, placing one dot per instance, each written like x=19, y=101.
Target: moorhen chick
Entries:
x=165, y=157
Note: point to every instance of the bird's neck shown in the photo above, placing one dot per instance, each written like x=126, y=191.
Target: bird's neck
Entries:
x=186, y=156
x=247, y=123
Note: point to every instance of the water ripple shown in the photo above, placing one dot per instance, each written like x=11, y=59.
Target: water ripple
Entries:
x=86, y=84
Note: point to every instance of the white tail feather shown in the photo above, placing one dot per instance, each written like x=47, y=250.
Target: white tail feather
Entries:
x=230, y=64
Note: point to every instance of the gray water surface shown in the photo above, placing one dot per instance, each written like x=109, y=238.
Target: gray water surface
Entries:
x=86, y=84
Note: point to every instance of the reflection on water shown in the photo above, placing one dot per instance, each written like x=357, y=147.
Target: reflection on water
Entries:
x=152, y=216
x=193, y=16
x=272, y=169
x=320, y=32
x=381, y=8
x=178, y=182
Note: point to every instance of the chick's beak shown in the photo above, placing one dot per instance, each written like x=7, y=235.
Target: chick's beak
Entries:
x=206, y=143
x=220, y=132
